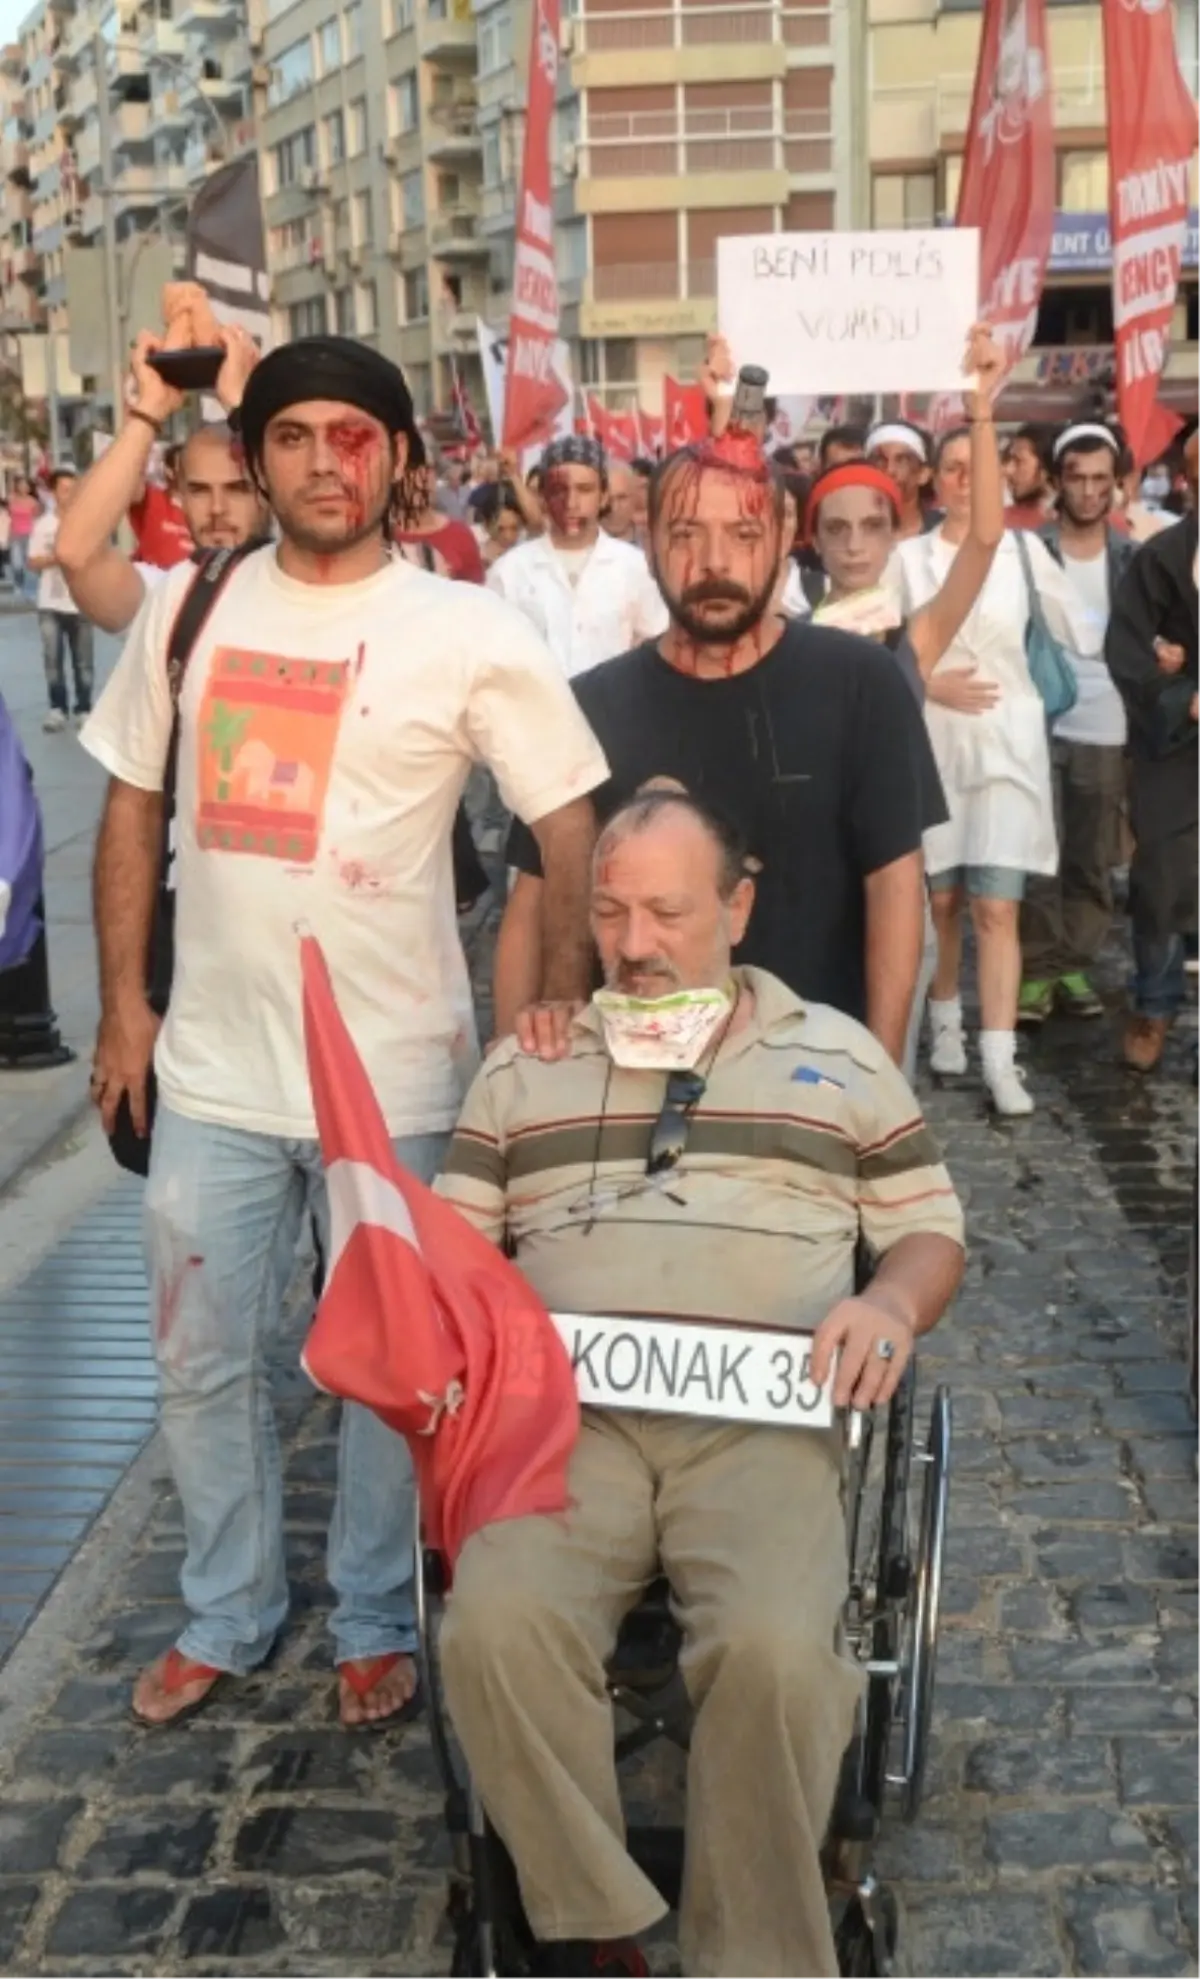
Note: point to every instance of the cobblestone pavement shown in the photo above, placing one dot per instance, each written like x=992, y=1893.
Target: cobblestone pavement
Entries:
x=1059, y=1834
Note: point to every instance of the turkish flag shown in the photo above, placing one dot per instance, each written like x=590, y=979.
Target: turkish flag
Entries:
x=1008, y=188
x=616, y=431
x=1151, y=139
x=422, y=1320
x=651, y=434
x=686, y=413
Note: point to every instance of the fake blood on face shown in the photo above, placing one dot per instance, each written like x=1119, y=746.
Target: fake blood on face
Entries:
x=356, y=448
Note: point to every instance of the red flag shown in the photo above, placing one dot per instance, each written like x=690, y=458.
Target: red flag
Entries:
x=651, y=432
x=468, y=425
x=616, y=431
x=422, y=1320
x=533, y=393
x=686, y=413
x=1151, y=138
x=1008, y=169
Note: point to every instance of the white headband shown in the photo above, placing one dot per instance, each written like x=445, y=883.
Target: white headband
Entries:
x=1085, y=431
x=899, y=434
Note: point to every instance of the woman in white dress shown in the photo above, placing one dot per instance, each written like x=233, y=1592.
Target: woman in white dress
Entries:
x=995, y=769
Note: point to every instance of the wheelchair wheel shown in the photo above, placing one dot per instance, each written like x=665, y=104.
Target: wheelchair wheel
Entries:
x=865, y=1940
x=921, y=1621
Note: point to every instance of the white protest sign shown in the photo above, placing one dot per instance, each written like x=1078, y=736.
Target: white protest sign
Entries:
x=877, y=312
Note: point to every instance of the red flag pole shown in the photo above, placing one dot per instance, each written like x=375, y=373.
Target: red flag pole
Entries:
x=1151, y=139
x=1008, y=187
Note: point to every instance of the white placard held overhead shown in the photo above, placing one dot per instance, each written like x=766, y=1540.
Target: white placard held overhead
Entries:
x=877, y=312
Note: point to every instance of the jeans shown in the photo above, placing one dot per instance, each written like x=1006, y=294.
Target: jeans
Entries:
x=61, y=629
x=223, y=1211
x=24, y=579
x=1159, y=979
x=1067, y=915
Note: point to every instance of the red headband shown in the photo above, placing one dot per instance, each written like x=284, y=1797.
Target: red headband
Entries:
x=851, y=474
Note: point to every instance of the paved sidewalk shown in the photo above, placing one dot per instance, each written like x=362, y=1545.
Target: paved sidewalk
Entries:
x=1060, y=1831
x=35, y=1107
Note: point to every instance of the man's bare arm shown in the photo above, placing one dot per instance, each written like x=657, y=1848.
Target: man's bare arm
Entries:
x=895, y=936
x=565, y=840
x=124, y=888
x=100, y=578
x=517, y=974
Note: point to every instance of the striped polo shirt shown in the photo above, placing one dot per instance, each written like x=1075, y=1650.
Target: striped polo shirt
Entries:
x=805, y=1135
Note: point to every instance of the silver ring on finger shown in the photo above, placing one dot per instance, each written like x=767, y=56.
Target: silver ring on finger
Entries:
x=885, y=1349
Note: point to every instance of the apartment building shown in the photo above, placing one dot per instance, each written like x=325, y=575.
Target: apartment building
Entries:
x=695, y=119
x=922, y=65
x=178, y=79
x=373, y=159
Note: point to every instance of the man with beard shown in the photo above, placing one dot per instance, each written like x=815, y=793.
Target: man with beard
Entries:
x=332, y=706
x=1152, y=653
x=588, y=595
x=1066, y=916
x=1029, y=465
x=807, y=738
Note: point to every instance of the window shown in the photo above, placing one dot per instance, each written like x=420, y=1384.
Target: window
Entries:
x=329, y=45
x=1083, y=181
x=358, y=127
x=405, y=113
x=904, y=199
x=402, y=15
x=353, y=22
x=415, y=291
x=419, y=378
x=307, y=318
x=493, y=168
x=412, y=199
x=570, y=251
x=362, y=219
x=368, y=309
x=495, y=40
x=335, y=138
x=291, y=71
x=343, y=312
x=295, y=156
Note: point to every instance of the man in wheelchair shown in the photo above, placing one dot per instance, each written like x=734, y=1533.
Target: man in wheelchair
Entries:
x=735, y=1192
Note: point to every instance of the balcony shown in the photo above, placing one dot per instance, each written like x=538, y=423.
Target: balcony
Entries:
x=84, y=93
x=201, y=156
x=87, y=151
x=454, y=234
x=761, y=22
x=24, y=264
x=43, y=67
x=48, y=240
x=917, y=119
x=649, y=143
x=170, y=113
x=142, y=186
x=454, y=325
x=227, y=91
x=649, y=281
x=446, y=33
x=14, y=160
x=452, y=131
x=45, y=126
x=215, y=17
x=134, y=124
x=162, y=39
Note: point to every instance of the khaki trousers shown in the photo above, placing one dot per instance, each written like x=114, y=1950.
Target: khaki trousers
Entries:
x=747, y=1523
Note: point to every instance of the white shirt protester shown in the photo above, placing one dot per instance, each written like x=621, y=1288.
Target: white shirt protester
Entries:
x=52, y=592
x=1099, y=712
x=995, y=766
x=603, y=606
x=326, y=735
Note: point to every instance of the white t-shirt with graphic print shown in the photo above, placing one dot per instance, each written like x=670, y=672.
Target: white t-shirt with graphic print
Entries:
x=326, y=735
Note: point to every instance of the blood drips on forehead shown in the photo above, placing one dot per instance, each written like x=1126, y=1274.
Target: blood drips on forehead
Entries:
x=356, y=445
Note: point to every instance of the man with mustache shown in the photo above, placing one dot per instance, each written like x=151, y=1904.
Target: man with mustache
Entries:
x=807, y=738
x=331, y=709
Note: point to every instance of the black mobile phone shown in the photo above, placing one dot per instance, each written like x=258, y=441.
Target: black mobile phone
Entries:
x=189, y=370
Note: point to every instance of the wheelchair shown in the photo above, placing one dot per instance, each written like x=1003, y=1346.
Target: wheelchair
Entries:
x=895, y=1499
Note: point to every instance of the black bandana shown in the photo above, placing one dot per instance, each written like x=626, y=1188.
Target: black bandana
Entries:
x=576, y=450
x=328, y=368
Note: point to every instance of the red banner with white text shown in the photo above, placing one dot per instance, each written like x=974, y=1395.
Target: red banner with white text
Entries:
x=685, y=412
x=533, y=394
x=1008, y=188
x=1151, y=139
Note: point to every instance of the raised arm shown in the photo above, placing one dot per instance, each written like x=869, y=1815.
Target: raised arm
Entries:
x=523, y=495
x=933, y=628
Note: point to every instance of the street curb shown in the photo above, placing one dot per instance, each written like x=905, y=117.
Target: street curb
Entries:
x=70, y=1107
x=36, y=1664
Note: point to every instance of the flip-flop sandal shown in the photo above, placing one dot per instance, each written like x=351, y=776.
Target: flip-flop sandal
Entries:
x=179, y=1670
x=364, y=1680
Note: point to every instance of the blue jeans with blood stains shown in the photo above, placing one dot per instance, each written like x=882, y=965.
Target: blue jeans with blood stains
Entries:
x=223, y=1212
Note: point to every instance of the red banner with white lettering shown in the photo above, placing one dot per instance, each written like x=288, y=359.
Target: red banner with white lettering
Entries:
x=617, y=432
x=1151, y=138
x=1008, y=169
x=685, y=411
x=533, y=394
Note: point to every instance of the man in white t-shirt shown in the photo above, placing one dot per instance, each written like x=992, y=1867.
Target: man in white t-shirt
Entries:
x=1065, y=918
x=60, y=622
x=328, y=717
x=589, y=595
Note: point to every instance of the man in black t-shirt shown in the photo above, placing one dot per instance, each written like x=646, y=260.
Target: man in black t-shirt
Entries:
x=807, y=738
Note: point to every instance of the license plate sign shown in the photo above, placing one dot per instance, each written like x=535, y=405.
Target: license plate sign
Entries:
x=692, y=1368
